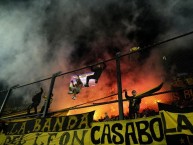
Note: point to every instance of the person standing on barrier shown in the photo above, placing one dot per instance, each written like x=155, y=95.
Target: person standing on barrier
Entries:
x=45, y=101
x=36, y=99
x=134, y=104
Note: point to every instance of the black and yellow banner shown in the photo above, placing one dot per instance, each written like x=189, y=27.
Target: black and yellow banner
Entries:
x=72, y=137
x=169, y=127
x=178, y=124
x=51, y=124
x=176, y=120
x=130, y=132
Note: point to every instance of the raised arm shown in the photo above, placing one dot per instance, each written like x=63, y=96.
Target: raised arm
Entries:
x=126, y=96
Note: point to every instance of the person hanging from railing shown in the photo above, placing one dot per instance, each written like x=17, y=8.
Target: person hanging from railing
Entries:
x=75, y=87
x=134, y=104
x=36, y=99
x=97, y=69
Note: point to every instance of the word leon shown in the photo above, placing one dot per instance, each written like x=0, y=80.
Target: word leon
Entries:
x=64, y=123
x=139, y=132
x=73, y=137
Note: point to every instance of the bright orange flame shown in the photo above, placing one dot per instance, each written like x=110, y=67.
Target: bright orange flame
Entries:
x=141, y=79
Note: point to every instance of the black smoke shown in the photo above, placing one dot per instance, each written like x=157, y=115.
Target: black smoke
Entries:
x=99, y=28
x=39, y=35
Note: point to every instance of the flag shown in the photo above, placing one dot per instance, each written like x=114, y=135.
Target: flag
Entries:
x=150, y=92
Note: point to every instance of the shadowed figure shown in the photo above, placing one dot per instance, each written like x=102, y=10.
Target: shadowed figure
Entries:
x=106, y=118
x=134, y=104
x=45, y=101
x=36, y=99
x=3, y=126
x=97, y=69
x=135, y=100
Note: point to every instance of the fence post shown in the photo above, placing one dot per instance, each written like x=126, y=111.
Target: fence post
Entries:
x=47, y=103
x=119, y=86
x=6, y=99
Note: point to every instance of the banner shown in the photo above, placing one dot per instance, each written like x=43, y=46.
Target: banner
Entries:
x=151, y=91
x=178, y=124
x=179, y=139
x=176, y=120
x=51, y=124
x=130, y=132
x=72, y=137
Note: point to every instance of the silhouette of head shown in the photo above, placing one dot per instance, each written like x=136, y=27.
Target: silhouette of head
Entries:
x=134, y=93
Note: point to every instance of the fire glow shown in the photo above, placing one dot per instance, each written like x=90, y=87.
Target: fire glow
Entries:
x=141, y=82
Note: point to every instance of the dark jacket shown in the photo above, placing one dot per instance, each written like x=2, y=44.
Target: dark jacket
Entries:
x=98, y=69
x=134, y=102
x=37, y=97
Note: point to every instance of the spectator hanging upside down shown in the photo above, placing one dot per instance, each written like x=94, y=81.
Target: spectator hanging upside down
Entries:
x=97, y=69
x=75, y=87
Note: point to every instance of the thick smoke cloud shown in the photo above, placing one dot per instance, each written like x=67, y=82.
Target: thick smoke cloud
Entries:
x=41, y=37
x=100, y=29
x=22, y=44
